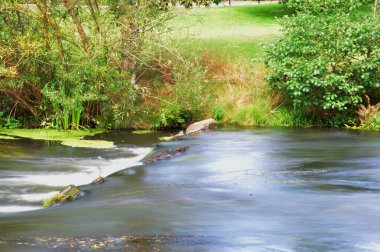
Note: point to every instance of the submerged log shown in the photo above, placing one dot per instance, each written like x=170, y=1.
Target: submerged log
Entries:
x=164, y=155
x=70, y=193
x=200, y=126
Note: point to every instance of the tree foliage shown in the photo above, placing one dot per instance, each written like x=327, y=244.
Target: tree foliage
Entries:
x=328, y=57
x=323, y=7
x=76, y=62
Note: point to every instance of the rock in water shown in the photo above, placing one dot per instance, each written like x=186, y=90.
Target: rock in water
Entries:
x=197, y=127
x=70, y=193
x=170, y=138
x=98, y=181
x=166, y=154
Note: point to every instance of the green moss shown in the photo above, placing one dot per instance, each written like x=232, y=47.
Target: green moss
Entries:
x=52, y=200
x=69, y=194
x=142, y=132
x=72, y=138
x=166, y=138
x=94, y=144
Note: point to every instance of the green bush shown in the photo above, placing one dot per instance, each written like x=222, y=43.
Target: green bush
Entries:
x=218, y=113
x=76, y=64
x=326, y=62
x=323, y=7
x=9, y=122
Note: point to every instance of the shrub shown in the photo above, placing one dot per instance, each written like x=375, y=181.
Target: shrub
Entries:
x=182, y=101
x=78, y=64
x=369, y=116
x=323, y=6
x=8, y=122
x=326, y=63
x=218, y=113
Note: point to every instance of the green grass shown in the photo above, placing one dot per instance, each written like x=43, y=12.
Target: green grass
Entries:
x=141, y=132
x=72, y=138
x=233, y=36
x=229, y=32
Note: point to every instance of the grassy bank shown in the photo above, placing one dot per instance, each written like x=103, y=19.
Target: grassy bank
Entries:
x=208, y=63
x=197, y=63
x=229, y=43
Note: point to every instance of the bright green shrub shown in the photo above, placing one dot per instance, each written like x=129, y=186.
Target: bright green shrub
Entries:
x=323, y=6
x=326, y=63
x=73, y=63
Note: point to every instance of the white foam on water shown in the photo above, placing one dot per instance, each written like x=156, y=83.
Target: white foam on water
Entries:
x=36, y=197
x=14, y=209
x=85, y=171
x=371, y=246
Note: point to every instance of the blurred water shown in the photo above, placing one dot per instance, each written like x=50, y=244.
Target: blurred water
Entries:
x=33, y=171
x=233, y=190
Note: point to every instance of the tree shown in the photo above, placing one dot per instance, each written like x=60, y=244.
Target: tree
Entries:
x=327, y=59
x=71, y=77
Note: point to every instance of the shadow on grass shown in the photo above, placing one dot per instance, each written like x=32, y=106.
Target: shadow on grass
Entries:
x=264, y=13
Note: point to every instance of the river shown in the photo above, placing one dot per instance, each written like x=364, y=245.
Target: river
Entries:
x=263, y=189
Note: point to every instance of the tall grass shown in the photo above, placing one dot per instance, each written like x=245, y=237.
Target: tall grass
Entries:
x=228, y=42
x=241, y=96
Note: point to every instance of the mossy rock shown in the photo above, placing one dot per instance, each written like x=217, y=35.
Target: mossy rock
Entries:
x=99, y=180
x=70, y=193
x=198, y=127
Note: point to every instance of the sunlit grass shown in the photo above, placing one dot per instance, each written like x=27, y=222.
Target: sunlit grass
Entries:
x=229, y=32
x=231, y=39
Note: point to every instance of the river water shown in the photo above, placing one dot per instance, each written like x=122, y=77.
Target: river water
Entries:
x=233, y=190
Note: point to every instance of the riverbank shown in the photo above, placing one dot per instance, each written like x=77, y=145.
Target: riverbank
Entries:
x=228, y=45
x=208, y=63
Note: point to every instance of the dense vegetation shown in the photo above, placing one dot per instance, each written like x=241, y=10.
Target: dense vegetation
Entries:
x=327, y=60
x=68, y=64
x=143, y=64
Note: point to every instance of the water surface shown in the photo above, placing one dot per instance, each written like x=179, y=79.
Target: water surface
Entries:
x=233, y=190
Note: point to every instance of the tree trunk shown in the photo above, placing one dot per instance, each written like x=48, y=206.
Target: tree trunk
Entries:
x=42, y=7
x=55, y=27
x=131, y=42
x=375, y=8
x=17, y=98
x=94, y=10
x=79, y=26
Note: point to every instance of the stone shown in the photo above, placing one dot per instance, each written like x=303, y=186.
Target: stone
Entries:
x=180, y=134
x=99, y=180
x=70, y=193
x=200, y=126
x=171, y=138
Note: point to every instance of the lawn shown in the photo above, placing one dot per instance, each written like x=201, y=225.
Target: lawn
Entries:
x=230, y=32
